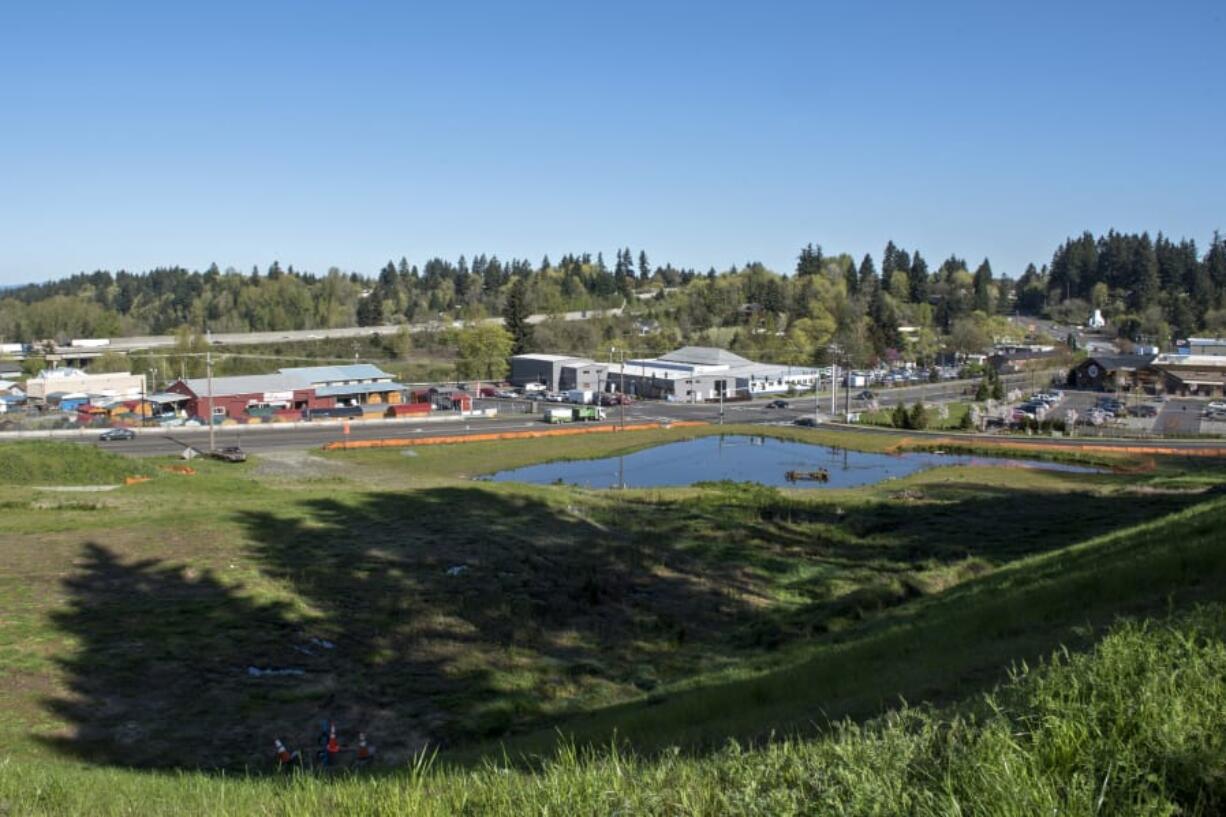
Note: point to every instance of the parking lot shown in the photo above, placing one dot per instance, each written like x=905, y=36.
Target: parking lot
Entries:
x=1175, y=416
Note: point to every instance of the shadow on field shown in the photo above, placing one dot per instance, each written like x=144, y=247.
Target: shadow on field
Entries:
x=458, y=614
x=422, y=618
x=157, y=674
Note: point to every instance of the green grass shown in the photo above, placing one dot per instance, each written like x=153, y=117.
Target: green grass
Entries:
x=1134, y=726
x=669, y=618
x=951, y=422
x=39, y=462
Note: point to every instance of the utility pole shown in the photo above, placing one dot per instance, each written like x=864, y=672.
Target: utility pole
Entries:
x=208, y=362
x=621, y=400
x=817, y=405
x=834, y=386
x=847, y=399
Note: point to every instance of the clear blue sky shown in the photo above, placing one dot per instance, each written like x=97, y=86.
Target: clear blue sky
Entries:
x=133, y=134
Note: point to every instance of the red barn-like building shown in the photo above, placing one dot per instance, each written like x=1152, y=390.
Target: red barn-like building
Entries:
x=233, y=396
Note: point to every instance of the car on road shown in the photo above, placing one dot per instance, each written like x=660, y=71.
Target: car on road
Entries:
x=505, y=394
x=1216, y=405
x=1144, y=411
x=777, y=404
x=806, y=422
x=231, y=453
x=116, y=434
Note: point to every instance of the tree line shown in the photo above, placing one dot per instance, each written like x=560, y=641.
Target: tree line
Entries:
x=1152, y=290
x=878, y=308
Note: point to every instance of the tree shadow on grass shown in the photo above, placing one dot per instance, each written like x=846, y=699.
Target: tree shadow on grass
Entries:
x=452, y=615
x=423, y=618
x=159, y=677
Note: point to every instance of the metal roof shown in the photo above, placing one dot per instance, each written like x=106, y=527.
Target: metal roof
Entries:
x=705, y=356
x=166, y=397
x=245, y=384
x=357, y=388
x=329, y=374
x=540, y=358
x=1116, y=362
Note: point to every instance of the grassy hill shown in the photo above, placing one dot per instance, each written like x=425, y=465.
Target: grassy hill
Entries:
x=42, y=462
x=646, y=628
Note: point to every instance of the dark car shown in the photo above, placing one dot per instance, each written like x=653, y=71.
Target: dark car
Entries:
x=115, y=434
x=777, y=404
x=866, y=395
x=807, y=422
x=231, y=453
x=1144, y=411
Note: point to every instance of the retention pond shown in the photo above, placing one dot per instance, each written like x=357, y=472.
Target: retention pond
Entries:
x=742, y=458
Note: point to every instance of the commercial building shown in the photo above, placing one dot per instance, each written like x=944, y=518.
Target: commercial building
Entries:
x=1215, y=347
x=698, y=373
x=1013, y=359
x=68, y=380
x=1192, y=375
x=355, y=384
x=310, y=387
x=690, y=374
x=558, y=372
x=1113, y=373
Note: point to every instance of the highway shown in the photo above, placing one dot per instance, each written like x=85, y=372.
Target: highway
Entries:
x=141, y=342
x=515, y=416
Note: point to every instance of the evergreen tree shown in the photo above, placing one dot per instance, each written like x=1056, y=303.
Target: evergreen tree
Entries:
x=370, y=310
x=810, y=260
x=983, y=287
x=515, y=317
x=888, y=259
x=917, y=278
x=866, y=278
x=899, y=418
x=850, y=279
x=644, y=267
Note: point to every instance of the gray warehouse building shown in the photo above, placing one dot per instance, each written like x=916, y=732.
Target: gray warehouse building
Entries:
x=690, y=374
x=558, y=372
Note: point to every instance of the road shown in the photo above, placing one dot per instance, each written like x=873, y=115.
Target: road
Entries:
x=515, y=417
x=130, y=344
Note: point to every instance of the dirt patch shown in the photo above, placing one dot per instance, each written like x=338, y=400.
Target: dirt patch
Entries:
x=297, y=465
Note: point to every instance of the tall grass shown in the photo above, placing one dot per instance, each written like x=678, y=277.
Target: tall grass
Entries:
x=1135, y=726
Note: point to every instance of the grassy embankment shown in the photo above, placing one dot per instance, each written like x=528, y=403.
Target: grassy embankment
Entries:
x=675, y=617
x=1133, y=727
x=950, y=422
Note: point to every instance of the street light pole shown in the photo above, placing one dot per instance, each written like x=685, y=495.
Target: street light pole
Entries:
x=621, y=400
x=208, y=362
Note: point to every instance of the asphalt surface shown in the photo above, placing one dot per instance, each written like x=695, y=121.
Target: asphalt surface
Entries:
x=1179, y=416
x=514, y=417
x=128, y=344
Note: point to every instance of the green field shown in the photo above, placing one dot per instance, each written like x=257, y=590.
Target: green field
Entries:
x=481, y=622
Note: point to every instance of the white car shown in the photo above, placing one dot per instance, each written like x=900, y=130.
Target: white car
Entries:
x=1216, y=405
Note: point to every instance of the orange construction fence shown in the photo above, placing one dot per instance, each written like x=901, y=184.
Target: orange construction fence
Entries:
x=401, y=442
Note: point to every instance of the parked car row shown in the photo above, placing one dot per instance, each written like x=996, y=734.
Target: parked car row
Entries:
x=900, y=376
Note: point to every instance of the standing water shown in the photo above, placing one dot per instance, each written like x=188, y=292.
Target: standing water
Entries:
x=740, y=458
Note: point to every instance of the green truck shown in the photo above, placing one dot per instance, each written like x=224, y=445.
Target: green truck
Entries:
x=574, y=414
